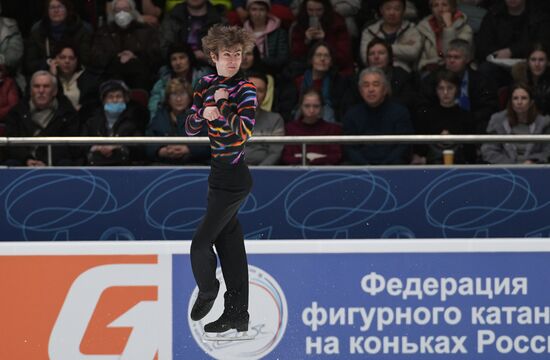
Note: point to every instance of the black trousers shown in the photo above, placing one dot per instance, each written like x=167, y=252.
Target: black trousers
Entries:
x=228, y=186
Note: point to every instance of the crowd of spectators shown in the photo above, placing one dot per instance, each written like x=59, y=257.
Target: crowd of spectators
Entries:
x=321, y=67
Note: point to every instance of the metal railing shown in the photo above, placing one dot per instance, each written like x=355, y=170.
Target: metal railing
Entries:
x=303, y=140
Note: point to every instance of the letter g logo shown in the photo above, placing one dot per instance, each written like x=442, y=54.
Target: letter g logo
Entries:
x=80, y=305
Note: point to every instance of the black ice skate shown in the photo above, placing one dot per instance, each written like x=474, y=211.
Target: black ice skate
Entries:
x=229, y=327
x=202, y=306
x=232, y=325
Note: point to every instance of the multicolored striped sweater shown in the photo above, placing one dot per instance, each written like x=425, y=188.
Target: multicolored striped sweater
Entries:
x=233, y=128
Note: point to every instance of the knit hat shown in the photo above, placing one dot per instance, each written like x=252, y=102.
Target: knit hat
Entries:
x=265, y=2
x=113, y=85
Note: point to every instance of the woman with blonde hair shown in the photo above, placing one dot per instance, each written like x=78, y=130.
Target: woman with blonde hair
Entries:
x=177, y=100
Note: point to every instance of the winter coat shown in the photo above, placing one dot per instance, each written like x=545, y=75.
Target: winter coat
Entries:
x=88, y=84
x=482, y=95
x=174, y=27
x=430, y=53
x=162, y=125
x=541, y=90
x=139, y=38
x=506, y=153
x=11, y=42
x=337, y=91
x=9, y=97
x=131, y=122
x=332, y=152
x=157, y=94
x=41, y=45
x=273, y=41
x=65, y=122
x=348, y=9
x=389, y=118
x=336, y=35
x=406, y=48
x=499, y=30
x=267, y=124
x=452, y=119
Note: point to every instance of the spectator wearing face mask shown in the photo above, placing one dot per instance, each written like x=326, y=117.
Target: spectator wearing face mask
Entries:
x=118, y=116
x=151, y=10
x=126, y=48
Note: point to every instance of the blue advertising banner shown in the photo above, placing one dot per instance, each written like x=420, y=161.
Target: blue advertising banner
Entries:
x=390, y=306
x=286, y=203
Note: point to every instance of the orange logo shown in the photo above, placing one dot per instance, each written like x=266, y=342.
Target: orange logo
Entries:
x=76, y=307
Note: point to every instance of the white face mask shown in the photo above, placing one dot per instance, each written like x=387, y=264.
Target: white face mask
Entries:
x=123, y=18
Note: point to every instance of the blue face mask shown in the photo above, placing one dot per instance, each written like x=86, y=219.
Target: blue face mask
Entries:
x=114, y=108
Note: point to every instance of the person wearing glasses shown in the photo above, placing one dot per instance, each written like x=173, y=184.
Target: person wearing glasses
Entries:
x=60, y=24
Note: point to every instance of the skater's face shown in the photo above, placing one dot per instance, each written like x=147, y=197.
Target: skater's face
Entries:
x=521, y=101
x=228, y=61
x=373, y=89
x=261, y=88
x=311, y=108
x=378, y=56
x=446, y=92
x=538, y=62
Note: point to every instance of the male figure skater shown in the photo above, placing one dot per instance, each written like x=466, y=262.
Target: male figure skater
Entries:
x=226, y=103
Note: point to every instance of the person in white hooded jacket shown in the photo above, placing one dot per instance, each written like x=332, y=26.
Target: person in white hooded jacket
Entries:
x=445, y=24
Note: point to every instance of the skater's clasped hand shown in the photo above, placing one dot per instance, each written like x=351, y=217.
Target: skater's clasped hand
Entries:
x=211, y=113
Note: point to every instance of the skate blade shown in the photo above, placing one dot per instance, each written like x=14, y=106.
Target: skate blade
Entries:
x=229, y=335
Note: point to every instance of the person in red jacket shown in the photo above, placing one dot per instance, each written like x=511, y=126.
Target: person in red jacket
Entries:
x=317, y=21
x=310, y=123
x=9, y=96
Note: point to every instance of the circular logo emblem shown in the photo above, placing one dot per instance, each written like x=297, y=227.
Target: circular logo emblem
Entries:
x=268, y=319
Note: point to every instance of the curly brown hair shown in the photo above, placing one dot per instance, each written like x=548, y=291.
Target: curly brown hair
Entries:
x=221, y=37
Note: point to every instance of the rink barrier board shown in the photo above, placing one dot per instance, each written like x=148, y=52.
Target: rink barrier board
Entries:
x=309, y=299
x=72, y=204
